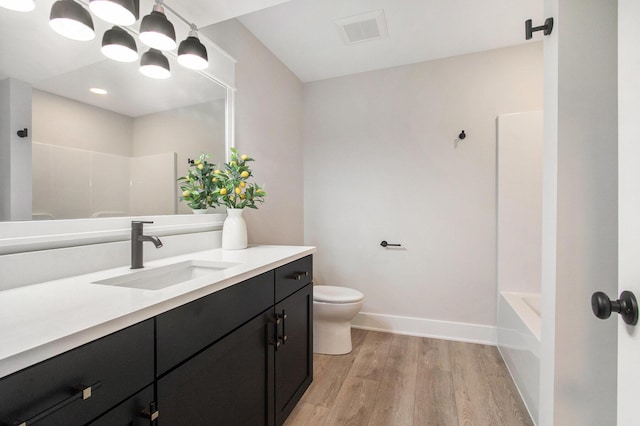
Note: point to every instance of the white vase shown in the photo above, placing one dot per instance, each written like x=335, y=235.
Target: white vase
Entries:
x=234, y=231
x=199, y=211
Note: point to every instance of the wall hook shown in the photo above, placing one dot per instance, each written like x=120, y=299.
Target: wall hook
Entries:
x=462, y=135
x=529, y=29
x=23, y=133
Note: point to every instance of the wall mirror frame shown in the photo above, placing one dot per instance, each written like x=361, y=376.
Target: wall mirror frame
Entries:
x=24, y=235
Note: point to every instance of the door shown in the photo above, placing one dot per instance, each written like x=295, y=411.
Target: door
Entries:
x=629, y=203
x=229, y=383
x=294, y=357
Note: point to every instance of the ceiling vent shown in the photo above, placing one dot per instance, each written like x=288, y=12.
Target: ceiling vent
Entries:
x=365, y=27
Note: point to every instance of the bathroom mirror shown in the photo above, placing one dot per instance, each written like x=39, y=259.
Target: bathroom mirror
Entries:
x=114, y=154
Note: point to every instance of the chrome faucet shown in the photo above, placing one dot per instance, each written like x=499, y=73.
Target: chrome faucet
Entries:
x=137, y=238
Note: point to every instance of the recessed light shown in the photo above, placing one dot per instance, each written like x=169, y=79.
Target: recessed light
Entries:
x=98, y=91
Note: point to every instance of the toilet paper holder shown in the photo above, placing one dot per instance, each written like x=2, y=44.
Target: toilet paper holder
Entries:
x=386, y=244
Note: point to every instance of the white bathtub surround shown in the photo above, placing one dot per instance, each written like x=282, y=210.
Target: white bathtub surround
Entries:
x=519, y=249
x=519, y=344
x=43, y=320
x=519, y=201
x=103, y=185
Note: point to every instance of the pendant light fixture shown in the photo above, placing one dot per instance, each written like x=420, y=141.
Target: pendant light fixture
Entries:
x=155, y=65
x=156, y=31
x=71, y=20
x=191, y=53
x=18, y=5
x=118, y=12
x=119, y=45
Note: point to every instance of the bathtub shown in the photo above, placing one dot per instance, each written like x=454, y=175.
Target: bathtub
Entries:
x=519, y=344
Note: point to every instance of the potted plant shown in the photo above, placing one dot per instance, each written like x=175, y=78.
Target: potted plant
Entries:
x=233, y=190
x=197, y=186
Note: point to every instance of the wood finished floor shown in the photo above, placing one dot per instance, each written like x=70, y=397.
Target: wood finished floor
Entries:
x=394, y=380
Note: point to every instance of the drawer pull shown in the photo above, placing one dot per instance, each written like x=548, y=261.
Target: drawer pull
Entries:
x=151, y=413
x=82, y=393
x=276, y=325
x=283, y=315
x=275, y=343
x=298, y=275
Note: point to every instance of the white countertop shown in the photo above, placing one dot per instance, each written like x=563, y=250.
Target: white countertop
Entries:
x=43, y=320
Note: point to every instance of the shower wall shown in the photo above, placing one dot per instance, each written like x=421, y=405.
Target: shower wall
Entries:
x=72, y=183
x=519, y=202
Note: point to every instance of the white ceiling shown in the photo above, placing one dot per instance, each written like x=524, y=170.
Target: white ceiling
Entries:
x=302, y=33
x=206, y=12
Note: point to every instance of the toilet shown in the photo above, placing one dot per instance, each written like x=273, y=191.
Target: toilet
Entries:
x=333, y=309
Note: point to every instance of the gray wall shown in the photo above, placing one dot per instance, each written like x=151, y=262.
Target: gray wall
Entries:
x=269, y=129
x=15, y=152
x=62, y=121
x=382, y=163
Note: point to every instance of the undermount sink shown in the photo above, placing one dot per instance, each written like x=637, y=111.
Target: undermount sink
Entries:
x=165, y=276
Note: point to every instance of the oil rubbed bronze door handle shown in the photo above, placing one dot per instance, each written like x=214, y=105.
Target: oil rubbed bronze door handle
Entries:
x=626, y=306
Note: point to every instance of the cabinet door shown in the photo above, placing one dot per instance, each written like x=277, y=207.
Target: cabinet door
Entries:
x=294, y=356
x=229, y=383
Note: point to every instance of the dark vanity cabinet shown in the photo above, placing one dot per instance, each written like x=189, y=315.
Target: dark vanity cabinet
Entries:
x=214, y=358
x=77, y=386
x=229, y=383
x=239, y=356
x=139, y=410
x=294, y=354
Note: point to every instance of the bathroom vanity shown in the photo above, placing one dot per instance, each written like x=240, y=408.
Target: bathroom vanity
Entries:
x=233, y=346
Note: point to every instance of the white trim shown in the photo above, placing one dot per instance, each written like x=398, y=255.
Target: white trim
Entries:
x=20, y=237
x=447, y=330
x=533, y=418
x=230, y=122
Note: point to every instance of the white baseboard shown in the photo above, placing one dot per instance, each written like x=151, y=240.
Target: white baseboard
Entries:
x=447, y=330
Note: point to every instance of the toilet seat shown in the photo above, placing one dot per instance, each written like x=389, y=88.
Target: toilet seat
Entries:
x=334, y=294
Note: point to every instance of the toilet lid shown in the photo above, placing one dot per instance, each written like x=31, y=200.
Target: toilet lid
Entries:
x=333, y=294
